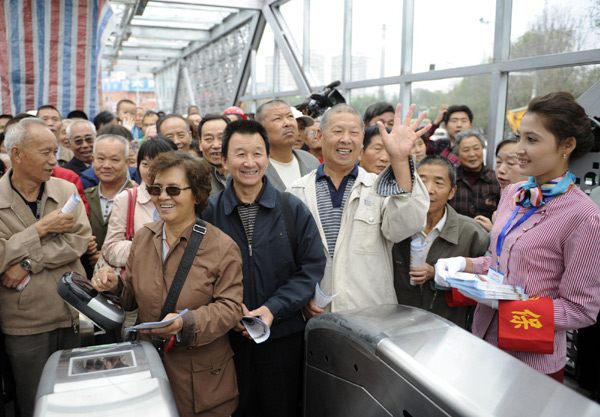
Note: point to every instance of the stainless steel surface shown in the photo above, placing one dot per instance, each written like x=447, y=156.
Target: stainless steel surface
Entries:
x=112, y=380
x=106, y=308
x=86, y=331
x=402, y=361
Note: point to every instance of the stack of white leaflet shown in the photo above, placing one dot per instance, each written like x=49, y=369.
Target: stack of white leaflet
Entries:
x=481, y=286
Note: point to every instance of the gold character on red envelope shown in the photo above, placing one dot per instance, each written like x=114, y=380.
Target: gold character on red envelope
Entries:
x=526, y=318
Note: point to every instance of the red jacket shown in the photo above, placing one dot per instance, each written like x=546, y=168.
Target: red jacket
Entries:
x=67, y=174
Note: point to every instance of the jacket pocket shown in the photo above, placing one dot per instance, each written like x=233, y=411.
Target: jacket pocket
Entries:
x=214, y=379
x=366, y=236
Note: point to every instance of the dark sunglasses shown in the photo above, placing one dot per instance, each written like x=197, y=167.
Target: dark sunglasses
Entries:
x=172, y=190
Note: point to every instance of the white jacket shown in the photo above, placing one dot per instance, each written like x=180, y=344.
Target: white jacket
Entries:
x=362, y=269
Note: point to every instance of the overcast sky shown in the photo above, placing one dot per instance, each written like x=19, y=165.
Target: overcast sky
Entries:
x=447, y=34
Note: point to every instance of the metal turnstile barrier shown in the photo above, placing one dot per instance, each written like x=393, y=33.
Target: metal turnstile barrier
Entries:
x=394, y=360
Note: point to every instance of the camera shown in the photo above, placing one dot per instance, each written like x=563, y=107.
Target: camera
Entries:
x=318, y=103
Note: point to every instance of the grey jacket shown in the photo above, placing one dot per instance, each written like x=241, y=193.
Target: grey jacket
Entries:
x=306, y=161
x=461, y=236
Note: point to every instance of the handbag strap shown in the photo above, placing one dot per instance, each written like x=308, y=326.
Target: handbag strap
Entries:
x=132, y=194
x=198, y=232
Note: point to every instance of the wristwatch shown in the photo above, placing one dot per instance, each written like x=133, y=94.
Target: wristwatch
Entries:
x=26, y=264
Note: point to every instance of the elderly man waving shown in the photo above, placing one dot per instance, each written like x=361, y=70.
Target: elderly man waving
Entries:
x=36, y=239
x=361, y=215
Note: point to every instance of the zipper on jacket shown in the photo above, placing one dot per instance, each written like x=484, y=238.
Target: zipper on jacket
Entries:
x=433, y=299
x=246, y=233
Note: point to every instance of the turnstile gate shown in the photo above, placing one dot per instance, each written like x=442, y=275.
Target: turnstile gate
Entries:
x=394, y=360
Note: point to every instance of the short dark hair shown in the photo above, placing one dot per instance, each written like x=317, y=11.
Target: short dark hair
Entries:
x=260, y=112
x=119, y=130
x=2, y=168
x=210, y=117
x=195, y=146
x=77, y=114
x=6, y=116
x=505, y=142
x=440, y=161
x=377, y=109
x=196, y=171
x=370, y=132
x=150, y=113
x=103, y=118
x=171, y=116
x=151, y=148
x=455, y=108
x=47, y=106
x=16, y=119
x=125, y=101
x=565, y=118
x=243, y=127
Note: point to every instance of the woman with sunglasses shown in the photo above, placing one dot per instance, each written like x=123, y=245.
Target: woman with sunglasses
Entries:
x=198, y=358
x=116, y=247
x=545, y=238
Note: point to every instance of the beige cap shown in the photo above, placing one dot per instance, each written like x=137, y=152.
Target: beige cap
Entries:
x=297, y=115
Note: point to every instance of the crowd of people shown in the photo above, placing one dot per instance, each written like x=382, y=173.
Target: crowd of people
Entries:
x=246, y=213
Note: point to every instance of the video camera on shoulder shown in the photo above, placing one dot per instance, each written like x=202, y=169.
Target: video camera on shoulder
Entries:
x=318, y=103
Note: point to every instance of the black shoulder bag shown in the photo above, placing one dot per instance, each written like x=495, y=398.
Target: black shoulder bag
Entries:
x=198, y=232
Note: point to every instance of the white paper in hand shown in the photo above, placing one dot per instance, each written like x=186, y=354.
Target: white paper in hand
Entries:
x=258, y=330
x=321, y=299
x=155, y=324
x=71, y=205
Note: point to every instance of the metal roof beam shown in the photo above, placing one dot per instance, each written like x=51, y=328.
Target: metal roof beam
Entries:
x=235, y=4
x=169, y=33
x=150, y=53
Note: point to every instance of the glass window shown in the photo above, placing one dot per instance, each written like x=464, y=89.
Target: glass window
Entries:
x=326, y=41
x=450, y=34
x=376, y=45
x=286, y=80
x=543, y=27
x=293, y=13
x=471, y=91
x=264, y=63
x=524, y=85
x=361, y=98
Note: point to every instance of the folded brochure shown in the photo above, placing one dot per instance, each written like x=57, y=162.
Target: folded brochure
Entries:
x=321, y=299
x=155, y=324
x=256, y=328
x=481, y=286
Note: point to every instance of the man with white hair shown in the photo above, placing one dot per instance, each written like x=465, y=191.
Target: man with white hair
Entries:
x=111, y=162
x=82, y=134
x=38, y=244
x=359, y=214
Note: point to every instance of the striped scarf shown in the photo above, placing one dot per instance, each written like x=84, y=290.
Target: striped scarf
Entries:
x=531, y=194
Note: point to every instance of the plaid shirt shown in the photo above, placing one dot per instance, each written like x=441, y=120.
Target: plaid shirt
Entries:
x=481, y=198
x=444, y=148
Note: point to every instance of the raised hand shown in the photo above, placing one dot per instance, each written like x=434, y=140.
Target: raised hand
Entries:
x=403, y=136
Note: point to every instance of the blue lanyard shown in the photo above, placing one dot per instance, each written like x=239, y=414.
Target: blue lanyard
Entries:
x=507, y=229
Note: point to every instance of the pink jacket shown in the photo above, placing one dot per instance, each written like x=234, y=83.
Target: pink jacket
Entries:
x=116, y=248
x=552, y=254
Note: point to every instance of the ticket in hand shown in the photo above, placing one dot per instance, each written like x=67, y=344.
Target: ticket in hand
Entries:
x=71, y=205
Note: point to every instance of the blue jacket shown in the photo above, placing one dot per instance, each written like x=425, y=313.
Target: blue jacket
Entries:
x=271, y=276
x=89, y=178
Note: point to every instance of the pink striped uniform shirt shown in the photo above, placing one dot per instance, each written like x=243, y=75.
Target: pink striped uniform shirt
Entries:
x=555, y=253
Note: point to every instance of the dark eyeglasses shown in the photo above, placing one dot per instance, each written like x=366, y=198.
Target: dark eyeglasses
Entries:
x=172, y=190
x=89, y=140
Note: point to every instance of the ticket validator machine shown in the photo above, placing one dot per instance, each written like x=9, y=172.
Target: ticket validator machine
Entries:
x=119, y=379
